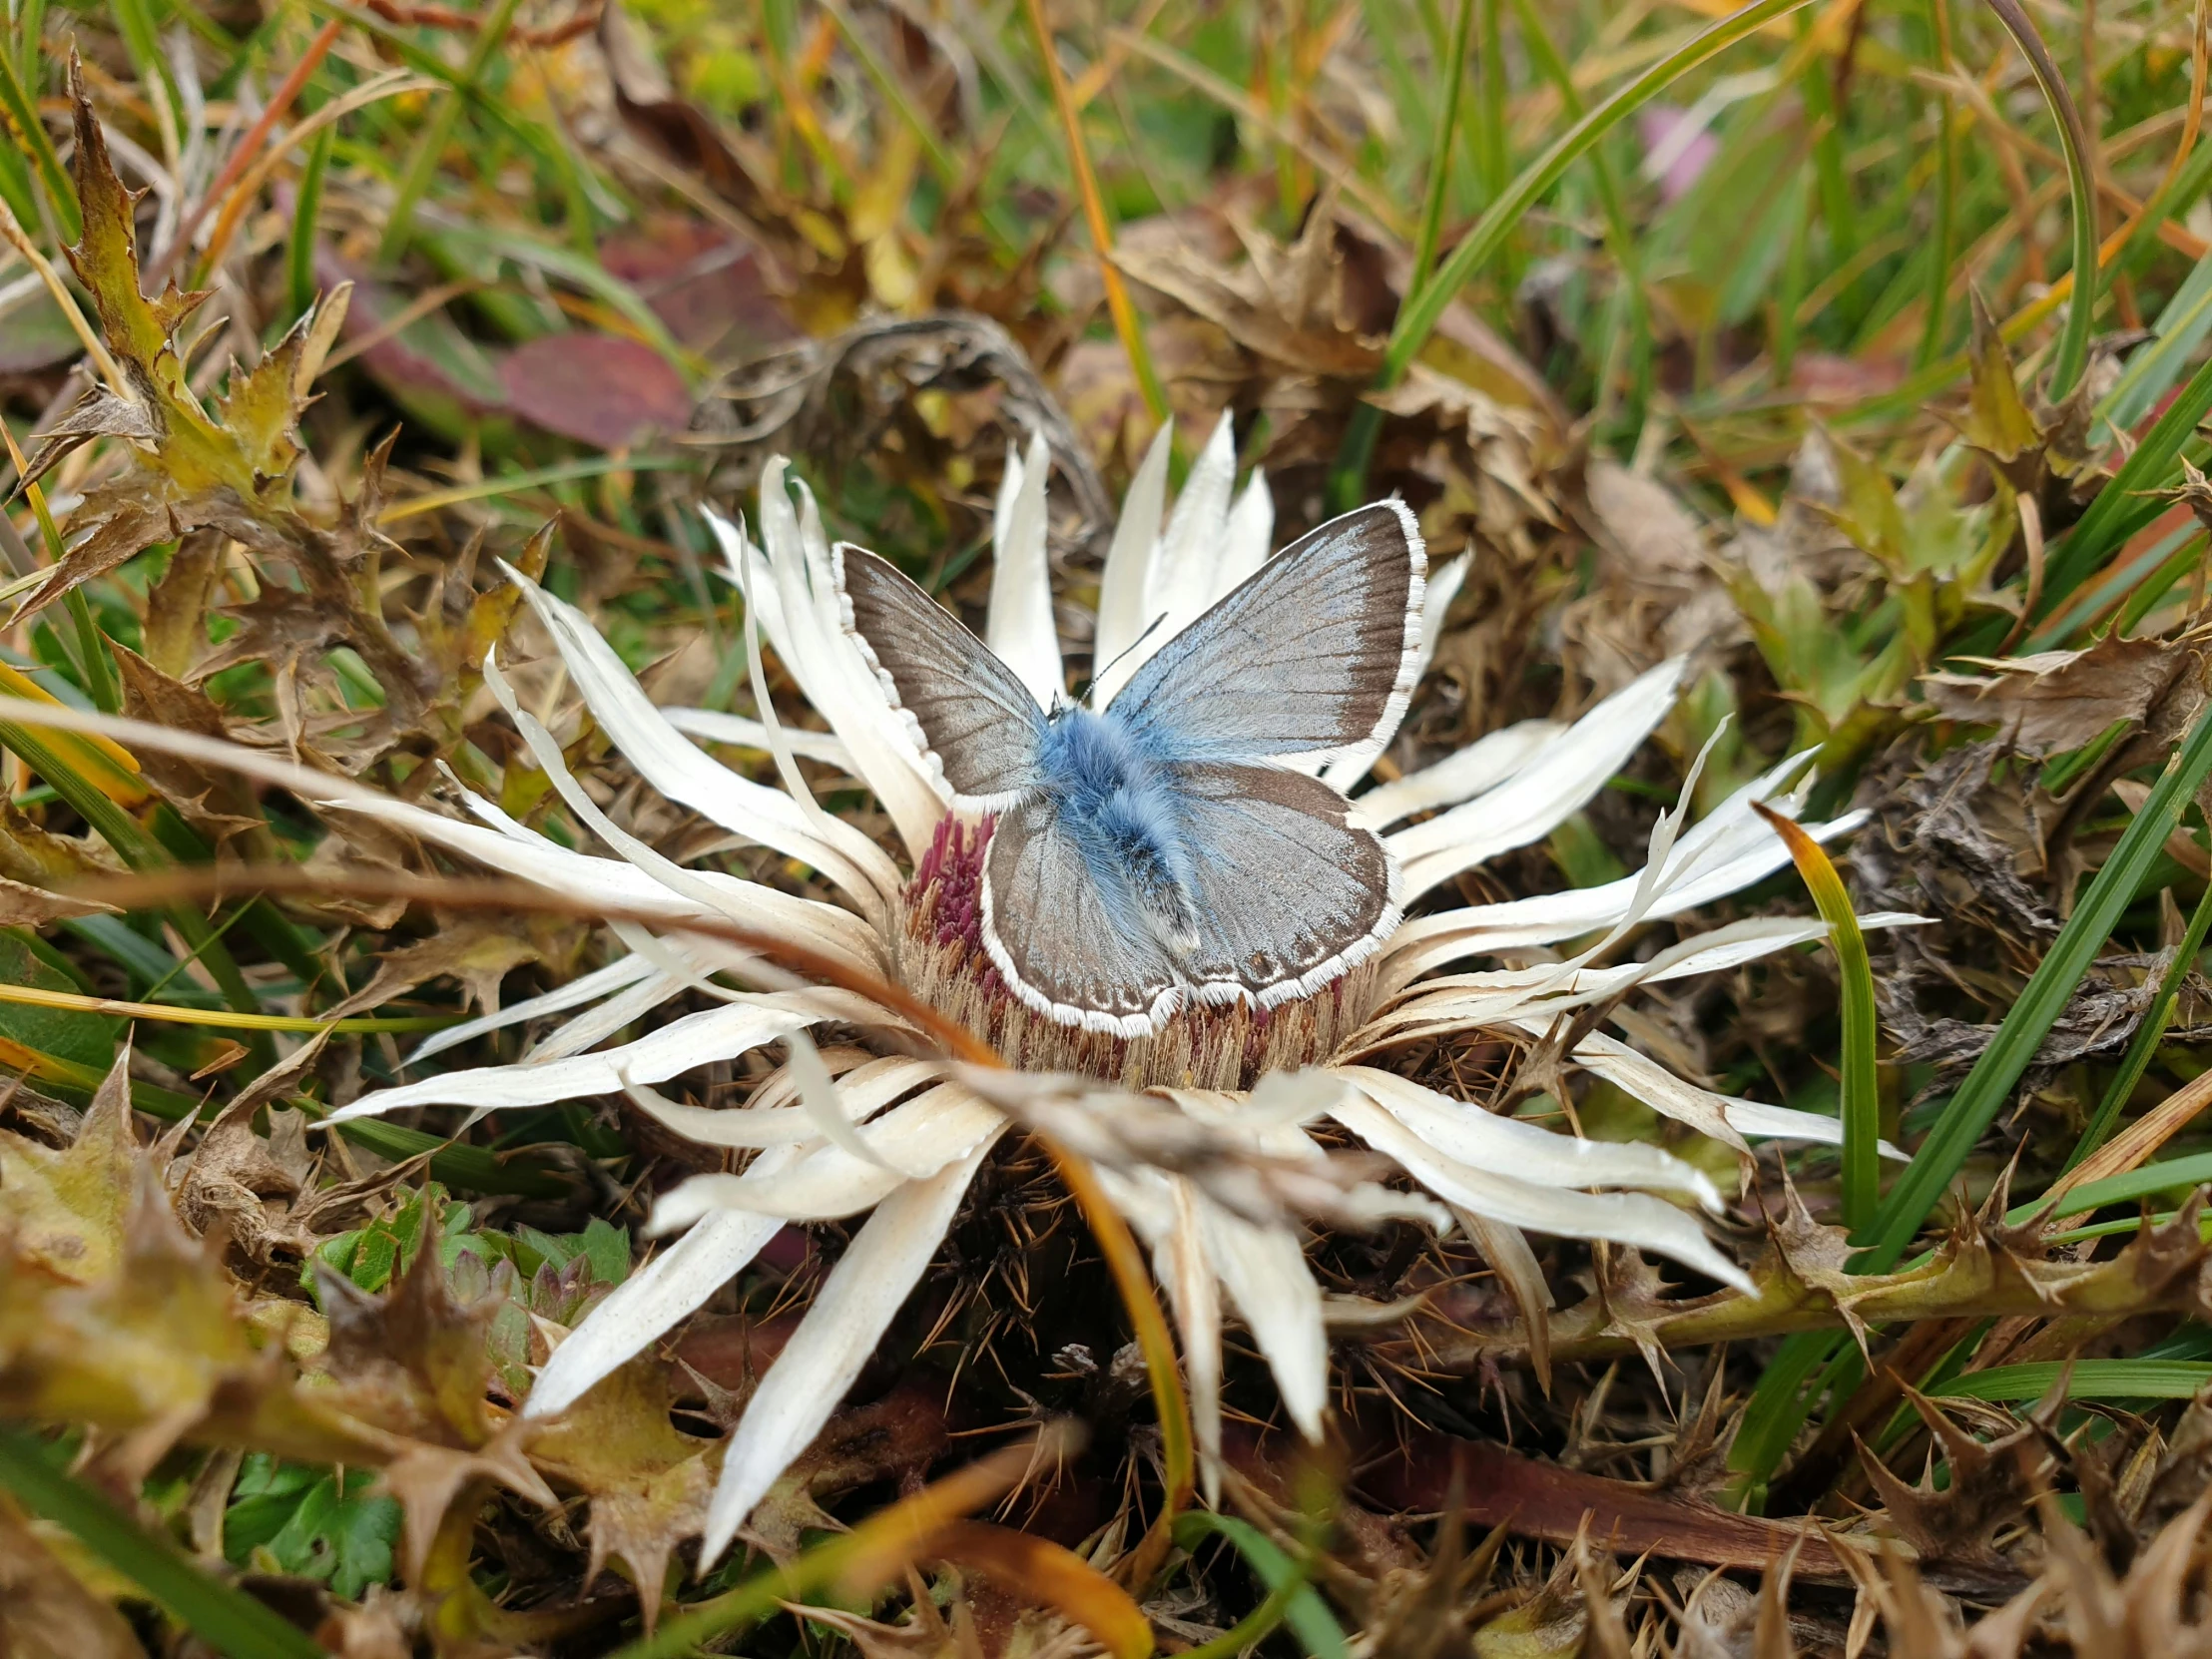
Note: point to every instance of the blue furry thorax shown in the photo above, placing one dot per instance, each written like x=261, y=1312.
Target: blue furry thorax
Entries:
x=1116, y=797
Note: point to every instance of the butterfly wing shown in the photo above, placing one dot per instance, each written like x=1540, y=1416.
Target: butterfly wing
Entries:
x=1063, y=932
x=974, y=722
x=1315, y=655
x=1289, y=893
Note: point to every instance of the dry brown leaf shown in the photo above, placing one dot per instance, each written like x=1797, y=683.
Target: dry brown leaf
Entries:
x=23, y=906
x=476, y=950
x=2055, y=701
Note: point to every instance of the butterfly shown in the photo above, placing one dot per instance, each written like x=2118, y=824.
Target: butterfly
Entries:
x=1173, y=844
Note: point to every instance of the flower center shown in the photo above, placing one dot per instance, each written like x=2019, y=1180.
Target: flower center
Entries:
x=939, y=957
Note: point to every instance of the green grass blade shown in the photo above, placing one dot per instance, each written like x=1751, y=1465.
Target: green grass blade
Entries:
x=227, y=1619
x=1496, y=148
x=2073, y=343
x=2181, y=328
x=23, y=111
x=1938, y=314
x=1439, y=151
x=429, y=148
x=1620, y=233
x=299, y=280
x=2173, y=1174
x=2122, y=507
x=1779, y=1407
x=2084, y=1380
x=1424, y=307
x=2148, y=1034
x=1991, y=1083
x=1862, y=1099
x=1304, y=1610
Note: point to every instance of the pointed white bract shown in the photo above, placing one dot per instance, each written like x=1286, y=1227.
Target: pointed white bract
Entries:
x=851, y=1311
x=1020, y=626
x=646, y=1306
x=886, y=1129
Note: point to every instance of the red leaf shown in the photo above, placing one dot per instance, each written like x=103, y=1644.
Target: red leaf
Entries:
x=595, y=388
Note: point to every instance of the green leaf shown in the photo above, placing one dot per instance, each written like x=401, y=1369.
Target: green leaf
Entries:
x=607, y=1247
x=307, y=1527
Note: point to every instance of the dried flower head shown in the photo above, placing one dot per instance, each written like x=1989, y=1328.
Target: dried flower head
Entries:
x=1203, y=1132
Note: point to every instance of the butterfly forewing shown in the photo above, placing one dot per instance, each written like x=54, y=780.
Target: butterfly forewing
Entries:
x=1289, y=893
x=1314, y=654
x=1060, y=931
x=971, y=715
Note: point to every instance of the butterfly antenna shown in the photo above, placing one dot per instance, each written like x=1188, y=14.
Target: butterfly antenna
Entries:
x=1149, y=629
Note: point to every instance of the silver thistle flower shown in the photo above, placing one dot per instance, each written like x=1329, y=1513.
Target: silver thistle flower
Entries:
x=1201, y=1131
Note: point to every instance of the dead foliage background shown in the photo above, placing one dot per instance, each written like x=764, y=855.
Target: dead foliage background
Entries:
x=313, y=314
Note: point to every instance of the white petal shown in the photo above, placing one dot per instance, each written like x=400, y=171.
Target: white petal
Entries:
x=803, y=620
x=514, y=850
x=913, y=1141
x=856, y=1304
x=676, y=767
x=1507, y=1249
x=1653, y=1083
x=1482, y=765
x=1435, y=604
x=1621, y=1218
x=1706, y=866
x=861, y=1094
x=595, y=1026
x=1009, y=491
x=1178, y=1257
x=643, y=1307
x=618, y=974
x=1551, y=788
x=1019, y=625
x=1457, y=1002
x=1470, y=1135
x=713, y=725
x=510, y=847
x=1128, y=571
x=1246, y=536
x=695, y=1040
x=1264, y=1270
x=686, y=884
x=1645, y=1079
x=1185, y=572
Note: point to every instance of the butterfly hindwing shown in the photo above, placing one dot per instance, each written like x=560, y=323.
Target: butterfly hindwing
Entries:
x=1061, y=932
x=969, y=714
x=1290, y=894
x=1313, y=655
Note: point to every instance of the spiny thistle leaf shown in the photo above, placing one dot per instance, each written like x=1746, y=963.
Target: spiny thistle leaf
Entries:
x=186, y=468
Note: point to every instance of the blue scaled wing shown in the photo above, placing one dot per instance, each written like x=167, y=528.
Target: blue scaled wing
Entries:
x=975, y=724
x=1064, y=935
x=1312, y=656
x=1291, y=895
